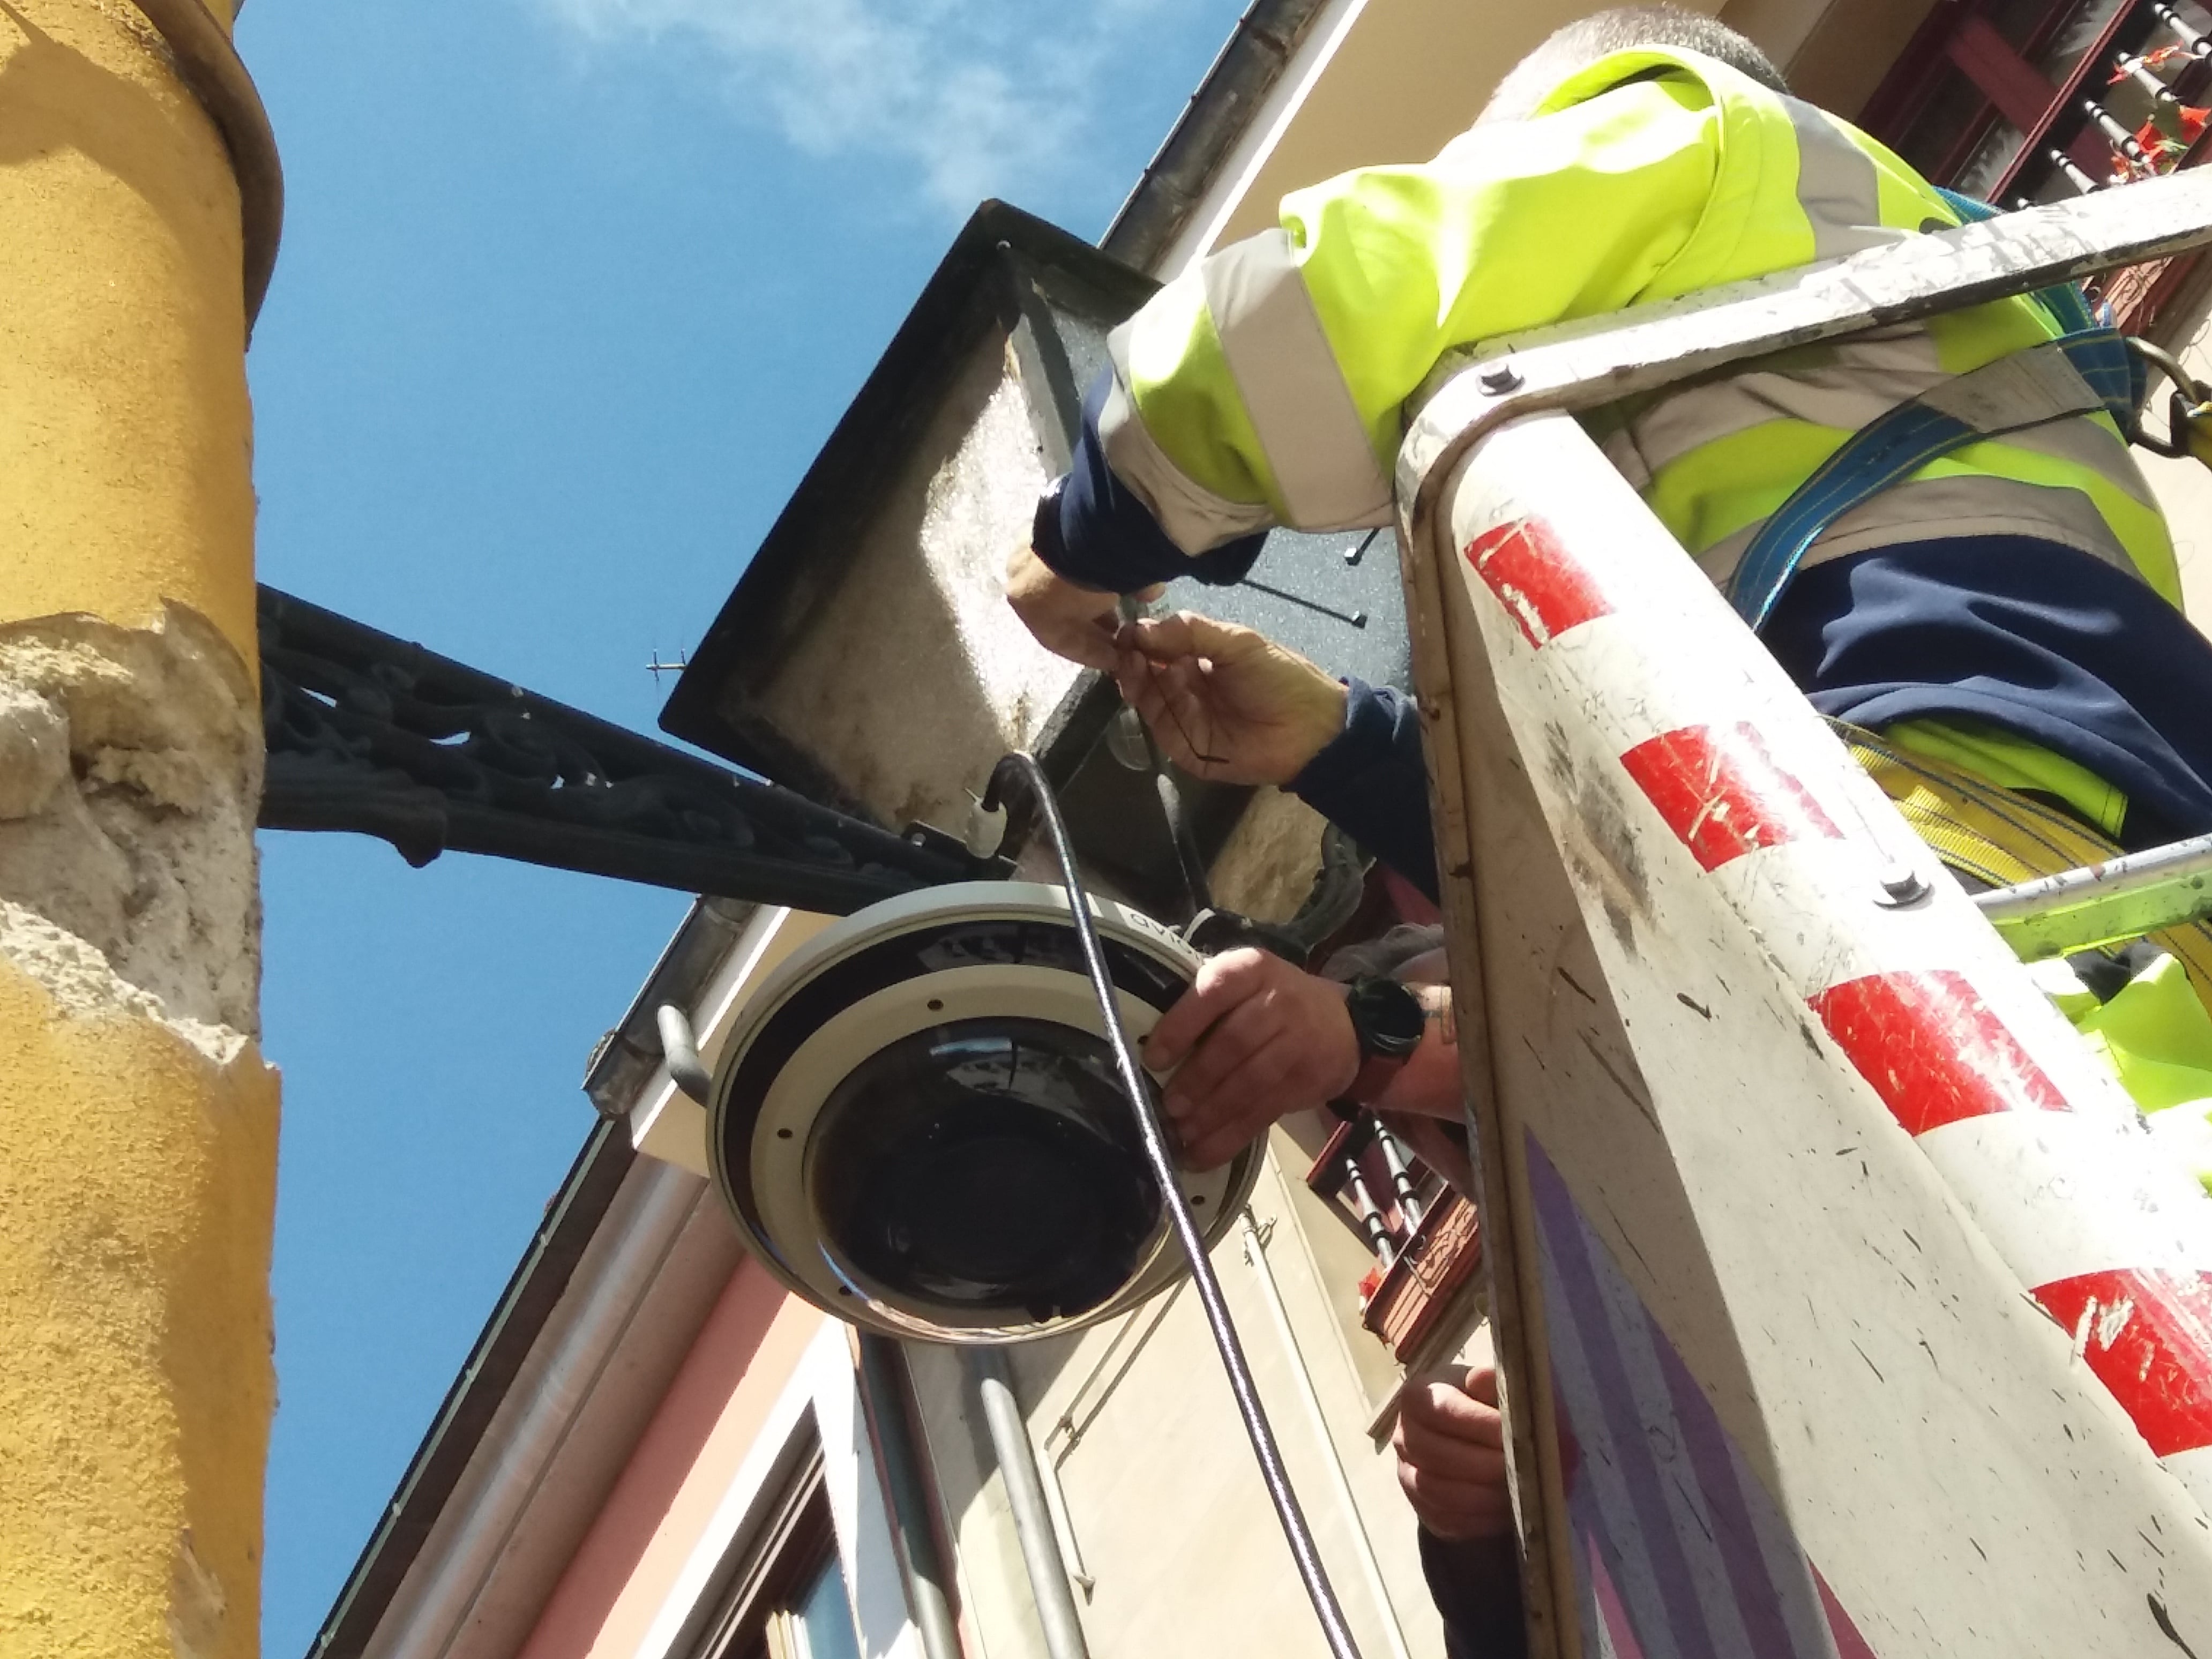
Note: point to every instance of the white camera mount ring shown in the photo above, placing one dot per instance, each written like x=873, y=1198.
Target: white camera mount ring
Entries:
x=967, y=957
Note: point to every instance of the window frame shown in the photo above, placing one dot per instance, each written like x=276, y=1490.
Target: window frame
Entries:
x=1959, y=38
x=766, y=1575
x=1421, y=1268
x=817, y=1415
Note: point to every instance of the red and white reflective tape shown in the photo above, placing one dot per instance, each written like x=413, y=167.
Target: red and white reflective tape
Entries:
x=2032, y=1135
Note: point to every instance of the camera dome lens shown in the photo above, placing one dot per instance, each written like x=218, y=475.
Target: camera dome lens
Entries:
x=988, y=1164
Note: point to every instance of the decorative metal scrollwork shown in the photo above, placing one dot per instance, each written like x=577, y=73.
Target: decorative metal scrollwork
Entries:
x=371, y=735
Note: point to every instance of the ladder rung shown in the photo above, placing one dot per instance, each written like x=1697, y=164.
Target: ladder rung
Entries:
x=2104, y=903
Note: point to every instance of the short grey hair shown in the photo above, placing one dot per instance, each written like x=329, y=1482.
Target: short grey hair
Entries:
x=1624, y=28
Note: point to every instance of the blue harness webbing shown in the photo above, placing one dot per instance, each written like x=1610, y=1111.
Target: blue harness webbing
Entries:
x=2088, y=368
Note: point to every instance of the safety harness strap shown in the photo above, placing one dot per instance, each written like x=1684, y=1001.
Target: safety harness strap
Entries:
x=2080, y=375
x=2085, y=369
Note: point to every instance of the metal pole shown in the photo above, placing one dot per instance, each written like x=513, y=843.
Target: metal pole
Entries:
x=1402, y=1186
x=1371, y=1569
x=2188, y=37
x=884, y=1400
x=2139, y=72
x=2121, y=138
x=1016, y=1456
x=679, y=1052
x=2122, y=898
x=2081, y=180
x=1371, y=1220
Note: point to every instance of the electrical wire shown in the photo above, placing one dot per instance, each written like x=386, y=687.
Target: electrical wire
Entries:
x=1131, y=612
x=1022, y=766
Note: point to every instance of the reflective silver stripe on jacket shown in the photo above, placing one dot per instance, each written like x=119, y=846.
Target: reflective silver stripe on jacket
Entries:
x=1842, y=386
x=1837, y=186
x=1977, y=505
x=2033, y=400
x=1849, y=385
x=1194, y=518
x=1293, y=392
x=2020, y=389
x=1846, y=385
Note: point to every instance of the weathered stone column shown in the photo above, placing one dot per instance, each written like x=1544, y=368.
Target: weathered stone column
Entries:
x=138, y=1119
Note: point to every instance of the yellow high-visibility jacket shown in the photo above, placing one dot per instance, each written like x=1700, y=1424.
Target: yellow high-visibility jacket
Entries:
x=1269, y=383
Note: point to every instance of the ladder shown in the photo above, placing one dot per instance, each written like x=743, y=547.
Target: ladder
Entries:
x=1843, y=1304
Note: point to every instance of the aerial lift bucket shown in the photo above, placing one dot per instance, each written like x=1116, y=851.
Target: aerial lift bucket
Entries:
x=1844, y=1303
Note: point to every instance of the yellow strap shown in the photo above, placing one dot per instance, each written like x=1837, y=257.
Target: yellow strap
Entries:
x=2001, y=838
x=1998, y=756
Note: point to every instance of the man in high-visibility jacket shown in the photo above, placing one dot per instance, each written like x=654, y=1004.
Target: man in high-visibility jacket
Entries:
x=1268, y=385
x=2009, y=616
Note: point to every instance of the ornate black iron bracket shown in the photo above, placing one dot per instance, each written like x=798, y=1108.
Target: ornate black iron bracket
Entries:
x=371, y=735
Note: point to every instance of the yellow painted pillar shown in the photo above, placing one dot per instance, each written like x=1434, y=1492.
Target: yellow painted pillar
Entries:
x=138, y=1119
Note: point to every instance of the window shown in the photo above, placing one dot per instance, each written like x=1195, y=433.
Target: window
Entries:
x=1422, y=1233
x=1419, y=1232
x=2026, y=101
x=783, y=1593
x=820, y=1626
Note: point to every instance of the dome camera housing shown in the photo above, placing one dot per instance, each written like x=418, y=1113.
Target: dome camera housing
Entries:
x=919, y=1125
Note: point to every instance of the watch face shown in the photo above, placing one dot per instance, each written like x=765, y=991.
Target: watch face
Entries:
x=1386, y=1017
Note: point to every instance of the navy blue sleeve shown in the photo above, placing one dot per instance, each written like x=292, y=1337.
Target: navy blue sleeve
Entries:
x=1104, y=537
x=1477, y=1590
x=1371, y=781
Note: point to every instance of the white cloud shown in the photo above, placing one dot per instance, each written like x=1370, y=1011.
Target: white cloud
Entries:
x=980, y=97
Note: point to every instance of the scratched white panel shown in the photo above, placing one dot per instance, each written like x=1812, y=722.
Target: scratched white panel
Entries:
x=1963, y=1485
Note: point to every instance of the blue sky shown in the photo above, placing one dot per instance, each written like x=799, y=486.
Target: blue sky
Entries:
x=571, y=290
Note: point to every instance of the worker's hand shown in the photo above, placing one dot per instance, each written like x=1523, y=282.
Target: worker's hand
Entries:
x=1256, y=1038
x=1076, y=623
x=1451, y=1443
x=1225, y=703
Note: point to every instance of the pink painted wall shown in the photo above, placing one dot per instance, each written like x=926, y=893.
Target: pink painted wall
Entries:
x=744, y=1355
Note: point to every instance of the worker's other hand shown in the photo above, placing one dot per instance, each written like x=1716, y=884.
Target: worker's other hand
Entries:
x=1076, y=623
x=1225, y=703
x=1256, y=1038
x=1450, y=1441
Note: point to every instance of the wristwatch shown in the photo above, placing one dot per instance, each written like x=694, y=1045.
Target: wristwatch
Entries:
x=1387, y=1021
x=1044, y=524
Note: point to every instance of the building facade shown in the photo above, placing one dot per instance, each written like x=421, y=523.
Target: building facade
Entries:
x=655, y=1452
